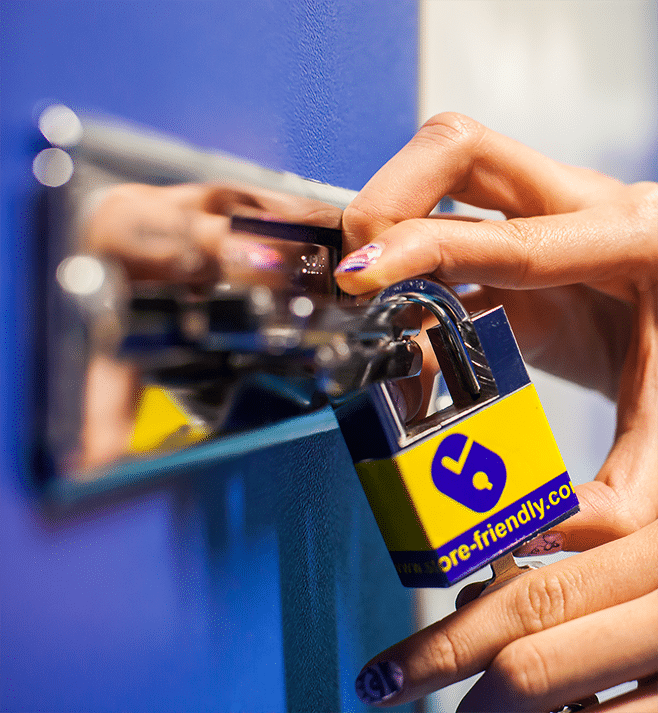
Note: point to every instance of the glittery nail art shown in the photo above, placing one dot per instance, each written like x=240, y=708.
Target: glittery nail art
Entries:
x=545, y=544
x=361, y=258
x=378, y=682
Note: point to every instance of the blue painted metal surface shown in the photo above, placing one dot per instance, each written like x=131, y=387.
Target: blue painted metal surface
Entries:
x=258, y=580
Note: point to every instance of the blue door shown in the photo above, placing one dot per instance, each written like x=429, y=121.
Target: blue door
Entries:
x=257, y=582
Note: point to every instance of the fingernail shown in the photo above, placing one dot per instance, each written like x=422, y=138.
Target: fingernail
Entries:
x=361, y=258
x=545, y=544
x=379, y=682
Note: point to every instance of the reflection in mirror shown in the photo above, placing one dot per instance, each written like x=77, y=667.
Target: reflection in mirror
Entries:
x=187, y=290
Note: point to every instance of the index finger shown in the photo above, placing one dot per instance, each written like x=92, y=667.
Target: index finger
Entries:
x=454, y=155
x=465, y=643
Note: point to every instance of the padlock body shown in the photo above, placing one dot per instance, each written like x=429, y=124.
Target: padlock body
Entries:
x=463, y=497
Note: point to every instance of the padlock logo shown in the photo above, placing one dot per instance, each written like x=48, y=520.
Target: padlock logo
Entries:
x=469, y=473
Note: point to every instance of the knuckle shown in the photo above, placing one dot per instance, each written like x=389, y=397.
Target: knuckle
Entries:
x=423, y=252
x=547, y=599
x=524, y=669
x=452, y=127
x=456, y=139
x=445, y=653
x=623, y=515
x=421, y=229
x=636, y=213
x=437, y=255
x=646, y=197
x=521, y=241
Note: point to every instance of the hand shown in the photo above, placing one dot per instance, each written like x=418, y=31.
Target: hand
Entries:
x=550, y=637
x=575, y=265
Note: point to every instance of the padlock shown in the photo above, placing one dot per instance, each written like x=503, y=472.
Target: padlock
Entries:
x=472, y=482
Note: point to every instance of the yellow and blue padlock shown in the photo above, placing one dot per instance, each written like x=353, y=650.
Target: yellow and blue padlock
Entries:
x=473, y=481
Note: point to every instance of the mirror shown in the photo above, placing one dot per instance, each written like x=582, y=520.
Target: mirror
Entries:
x=163, y=263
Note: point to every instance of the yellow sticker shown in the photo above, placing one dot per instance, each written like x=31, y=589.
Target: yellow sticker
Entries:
x=434, y=491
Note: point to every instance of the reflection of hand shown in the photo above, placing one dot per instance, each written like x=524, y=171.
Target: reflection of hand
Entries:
x=169, y=234
x=552, y=636
x=178, y=233
x=574, y=242
x=576, y=267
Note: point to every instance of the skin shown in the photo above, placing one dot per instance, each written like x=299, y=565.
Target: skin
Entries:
x=575, y=264
x=551, y=636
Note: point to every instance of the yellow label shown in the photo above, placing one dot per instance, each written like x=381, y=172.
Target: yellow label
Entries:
x=434, y=491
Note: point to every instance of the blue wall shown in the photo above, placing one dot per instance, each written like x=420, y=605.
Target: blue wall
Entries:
x=260, y=583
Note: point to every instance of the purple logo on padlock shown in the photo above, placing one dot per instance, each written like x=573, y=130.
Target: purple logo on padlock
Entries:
x=469, y=473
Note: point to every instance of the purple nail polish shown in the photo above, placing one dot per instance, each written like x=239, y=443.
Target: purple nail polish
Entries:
x=361, y=258
x=545, y=544
x=379, y=682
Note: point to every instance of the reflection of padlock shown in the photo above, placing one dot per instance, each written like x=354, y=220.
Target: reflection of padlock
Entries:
x=473, y=481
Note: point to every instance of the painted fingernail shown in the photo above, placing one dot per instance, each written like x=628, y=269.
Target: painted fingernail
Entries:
x=361, y=258
x=545, y=544
x=379, y=682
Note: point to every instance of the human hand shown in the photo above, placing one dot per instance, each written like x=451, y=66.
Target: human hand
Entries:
x=575, y=265
x=549, y=637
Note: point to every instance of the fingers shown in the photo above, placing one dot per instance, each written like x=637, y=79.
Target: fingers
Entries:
x=467, y=641
x=596, y=246
x=454, y=155
x=542, y=671
x=624, y=496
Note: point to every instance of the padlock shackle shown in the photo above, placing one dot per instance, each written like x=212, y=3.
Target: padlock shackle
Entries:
x=435, y=291
x=444, y=304
x=454, y=338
